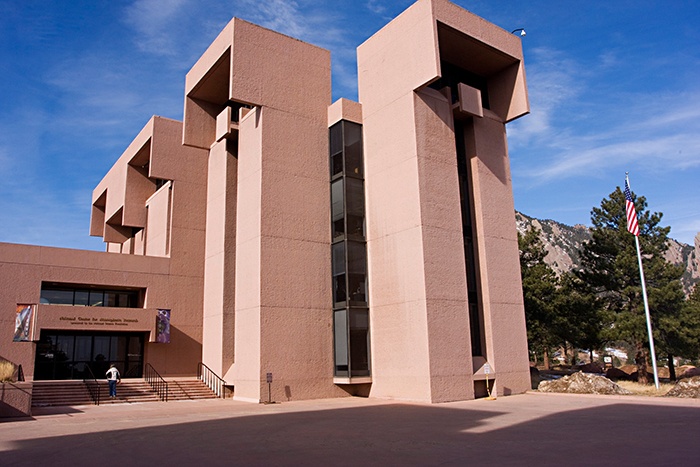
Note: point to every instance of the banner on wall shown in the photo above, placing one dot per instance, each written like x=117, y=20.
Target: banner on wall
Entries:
x=163, y=326
x=24, y=323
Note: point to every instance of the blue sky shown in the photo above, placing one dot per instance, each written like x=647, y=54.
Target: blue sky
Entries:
x=614, y=87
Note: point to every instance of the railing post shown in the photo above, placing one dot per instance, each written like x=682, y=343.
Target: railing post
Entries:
x=211, y=379
x=157, y=383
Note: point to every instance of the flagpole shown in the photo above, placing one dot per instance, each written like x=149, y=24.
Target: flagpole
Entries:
x=646, y=305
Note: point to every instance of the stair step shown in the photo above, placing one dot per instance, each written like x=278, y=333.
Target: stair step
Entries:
x=75, y=392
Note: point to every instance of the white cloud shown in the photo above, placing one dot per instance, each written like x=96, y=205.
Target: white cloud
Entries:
x=311, y=21
x=685, y=230
x=552, y=84
x=578, y=132
x=153, y=21
x=376, y=7
x=659, y=152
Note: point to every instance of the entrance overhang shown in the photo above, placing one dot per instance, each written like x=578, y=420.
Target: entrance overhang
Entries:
x=97, y=319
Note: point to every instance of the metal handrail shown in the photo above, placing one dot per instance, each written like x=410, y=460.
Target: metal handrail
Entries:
x=93, y=390
x=159, y=385
x=211, y=379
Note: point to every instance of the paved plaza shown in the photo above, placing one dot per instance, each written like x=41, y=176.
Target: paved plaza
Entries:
x=529, y=429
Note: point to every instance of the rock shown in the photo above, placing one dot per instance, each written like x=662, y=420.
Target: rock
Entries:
x=690, y=371
x=582, y=383
x=689, y=388
x=635, y=376
x=617, y=374
x=595, y=367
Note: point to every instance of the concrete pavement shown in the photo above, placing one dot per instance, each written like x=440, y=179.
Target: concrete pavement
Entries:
x=529, y=429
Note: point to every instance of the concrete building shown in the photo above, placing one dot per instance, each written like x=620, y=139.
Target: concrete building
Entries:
x=348, y=249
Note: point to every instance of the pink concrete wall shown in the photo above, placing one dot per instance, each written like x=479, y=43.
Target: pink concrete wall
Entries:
x=506, y=340
x=282, y=272
x=344, y=109
x=186, y=167
x=445, y=281
x=158, y=223
x=421, y=346
x=220, y=253
x=243, y=224
x=25, y=267
x=246, y=373
x=174, y=226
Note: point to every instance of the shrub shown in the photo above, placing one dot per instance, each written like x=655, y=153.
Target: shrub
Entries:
x=7, y=371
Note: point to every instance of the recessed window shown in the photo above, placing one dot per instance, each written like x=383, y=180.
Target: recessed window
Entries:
x=349, y=251
x=76, y=295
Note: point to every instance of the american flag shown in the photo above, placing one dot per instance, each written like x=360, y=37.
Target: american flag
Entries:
x=632, y=224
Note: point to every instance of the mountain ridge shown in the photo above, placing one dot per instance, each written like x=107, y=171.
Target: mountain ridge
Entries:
x=563, y=243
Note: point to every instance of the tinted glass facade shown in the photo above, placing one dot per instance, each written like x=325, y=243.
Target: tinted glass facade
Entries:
x=79, y=355
x=349, y=251
x=77, y=295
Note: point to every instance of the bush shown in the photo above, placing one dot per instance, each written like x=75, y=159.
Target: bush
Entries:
x=7, y=371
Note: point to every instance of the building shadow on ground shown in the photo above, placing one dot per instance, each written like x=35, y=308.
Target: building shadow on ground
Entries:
x=394, y=434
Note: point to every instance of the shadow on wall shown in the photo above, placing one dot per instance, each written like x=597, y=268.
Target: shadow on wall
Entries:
x=189, y=354
x=15, y=399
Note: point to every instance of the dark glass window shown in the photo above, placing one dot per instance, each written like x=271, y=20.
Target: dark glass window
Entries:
x=357, y=258
x=337, y=209
x=97, y=298
x=340, y=325
x=359, y=342
x=336, y=136
x=349, y=251
x=357, y=285
x=57, y=297
x=353, y=149
x=476, y=321
x=83, y=354
x=355, y=207
x=64, y=294
x=81, y=298
x=336, y=149
x=339, y=286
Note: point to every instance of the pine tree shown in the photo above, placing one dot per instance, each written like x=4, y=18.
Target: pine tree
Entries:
x=688, y=328
x=580, y=320
x=539, y=291
x=670, y=325
x=610, y=269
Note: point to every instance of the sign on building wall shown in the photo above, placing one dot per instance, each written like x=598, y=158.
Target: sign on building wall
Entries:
x=24, y=323
x=163, y=326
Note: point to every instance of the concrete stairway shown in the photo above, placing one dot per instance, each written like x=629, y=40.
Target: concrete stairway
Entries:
x=74, y=392
x=188, y=389
x=129, y=390
x=69, y=392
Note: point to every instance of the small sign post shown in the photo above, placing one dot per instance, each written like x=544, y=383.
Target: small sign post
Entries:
x=487, y=372
x=269, y=388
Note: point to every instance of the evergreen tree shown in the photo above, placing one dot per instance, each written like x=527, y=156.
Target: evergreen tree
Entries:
x=580, y=320
x=610, y=269
x=539, y=291
x=670, y=325
x=688, y=334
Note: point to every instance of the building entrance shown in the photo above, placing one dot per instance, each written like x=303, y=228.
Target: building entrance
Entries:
x=71, y=355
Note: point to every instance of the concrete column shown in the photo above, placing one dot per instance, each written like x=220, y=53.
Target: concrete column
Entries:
x=504, y=320
x=220, y=257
